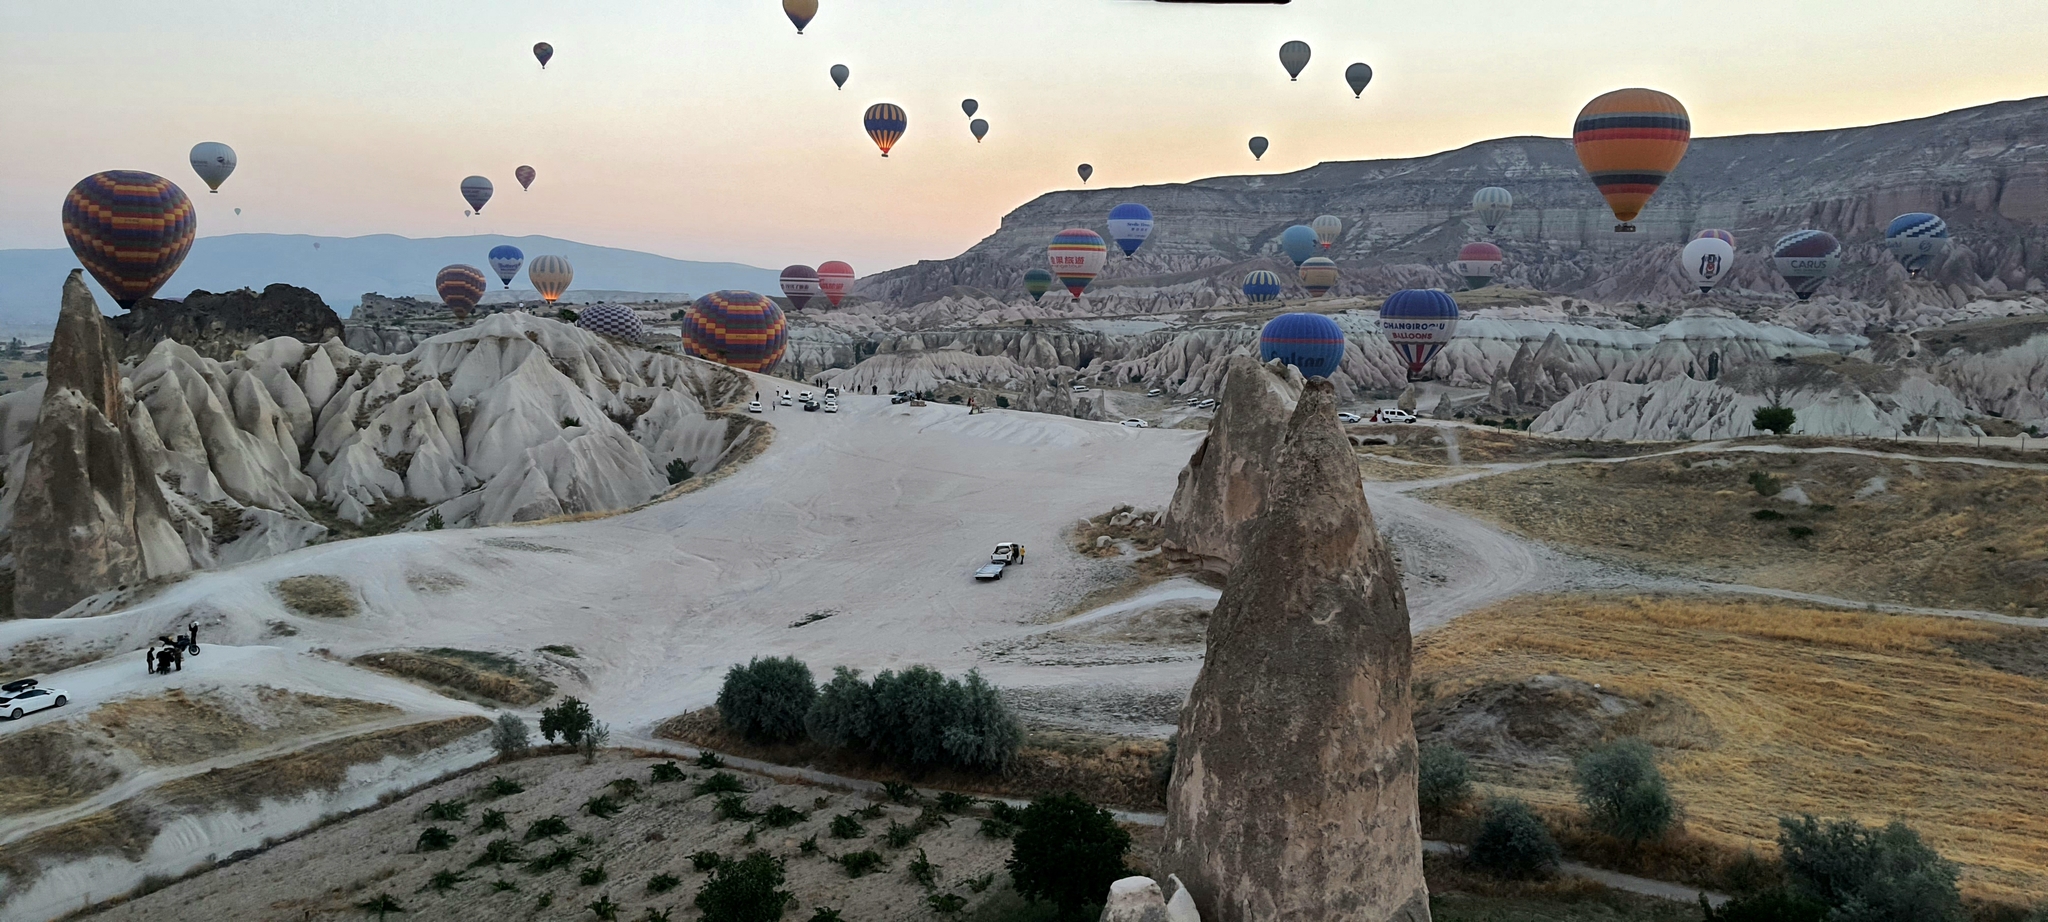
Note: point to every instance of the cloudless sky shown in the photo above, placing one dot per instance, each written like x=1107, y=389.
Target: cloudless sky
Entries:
x=708, y=129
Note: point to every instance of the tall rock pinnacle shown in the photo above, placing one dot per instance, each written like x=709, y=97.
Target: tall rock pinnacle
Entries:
x=1224, y=487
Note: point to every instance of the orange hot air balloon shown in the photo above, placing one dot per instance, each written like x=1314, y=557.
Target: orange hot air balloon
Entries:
x=1629, y=141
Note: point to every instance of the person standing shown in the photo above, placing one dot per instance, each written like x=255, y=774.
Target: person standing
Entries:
x=149, y=658
x=177, y=659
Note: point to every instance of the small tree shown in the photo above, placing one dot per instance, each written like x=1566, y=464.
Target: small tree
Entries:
x=1774, y=419
x=568, y=720
x=1868, y=875
x=1624, y=792
x=510, y=737
x=435, y=522
x=984, y=733
x=595, y=738
x=566, y=315
x=1002, y=402
x=1443, y=780
x=678, y=471
x=912, y=710
x=746, y=890
x=766, y=700
x=1067, y=852
x=1513, y=842
x=843, y=713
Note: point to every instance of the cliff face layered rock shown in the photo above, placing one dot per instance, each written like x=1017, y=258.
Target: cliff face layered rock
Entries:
x=1224, y=488
x=1293, y=793
x=219, y=325
x=89, y=515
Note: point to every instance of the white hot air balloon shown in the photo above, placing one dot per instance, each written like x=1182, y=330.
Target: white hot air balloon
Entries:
x=1492, y=205
x=1706, y=261
x=1328, y=228
x=550, y=276
x=213, y=161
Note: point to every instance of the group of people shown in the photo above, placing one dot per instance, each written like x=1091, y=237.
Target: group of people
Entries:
x=170, y=656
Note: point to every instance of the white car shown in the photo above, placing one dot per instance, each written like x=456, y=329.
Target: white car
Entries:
x=804, y=396
x=26, y=697
x=831, y=406
x=1350, y=418
x=1154, y=392
x=1207, y=404
x=831, y=393
x=1392, y=415
x=1194, y=401
x=787, y=402
x=754, y=406
x=1137, y=424
x=1078, y=388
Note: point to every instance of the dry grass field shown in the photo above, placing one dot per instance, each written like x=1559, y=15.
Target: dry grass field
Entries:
x=1767, y=709
x=1873, y=529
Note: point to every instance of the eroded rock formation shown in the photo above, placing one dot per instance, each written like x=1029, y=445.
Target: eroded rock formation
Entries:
x=1223, y=489
x=1293, y=792
x=219, y=325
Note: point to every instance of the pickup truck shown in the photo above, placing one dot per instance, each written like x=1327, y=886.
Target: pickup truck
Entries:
x=1007, y=553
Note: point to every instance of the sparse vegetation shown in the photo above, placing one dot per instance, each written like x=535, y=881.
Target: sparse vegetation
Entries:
x=593, y=875
x=501, y=786
x=899, y=792
x=473, y=674
x=710, y=760
x=1623, y=791
x=733, y=807
x=746, y=890
x=569, y=720
x=547, y=827
x=923, y=871
x=562, y=857
x=706, y=860
x=899, y=835
x=452, y=811
x=499, y=852
x=766, y=700
x=1512, y=842
x=1443, y=780
x=594, y=740
x=624, y=787
x=678, y=471
x=444, y=880
x=1067, y=852
x=782, y=816
x=667, y=773
x=844, y=826
x=808, y=846
x=861, y=862
x=1765, y=484
x=663, y=883
x=380, y=905
x=945, y=903
x=955, y=802
x=510, y=737
x=493, y=821
x=318, y=596
x=603, y=806
x=434, y=839
x=603, y=908
x=719, y=783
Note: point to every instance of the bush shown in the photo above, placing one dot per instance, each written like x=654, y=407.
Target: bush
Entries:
x=783, y=816
x=983, y=734
x=1002, y=402
x=844, y=826
x=1799, y=532
x=705, y=861
x=1512, y=842
x=447, y=811
x=899, y=835
x=710, y=760
x=733, y=807
x=569, y=720
x=663, y=883
x=434, y=839
x=502, y=786
x=901, y=792
x=923, y=871
x=1765, y=484
x=593, y=875
x=719, y=783
x=1443, y=780
x=499, y=852
x=604, y=908
x=945, y=903
x=861, y=862
x=766, y=699
x=1162, y=766
x=380, y=904
x=679, y=471
x=624, y=787
x=602, y=806
x=1768, y=906
x=955, y=802
x=1767, y=515
x=435, y=522
x=1868, y=875
x=1623, y=791
x=444, y=880
x=917, y=719
x=842, y=713
x=1067, y=852
x=547, y=827
x=566, y=315
x=666, y=772
x=594, y=739
x=747, y=890
x=493, y=821
x=1774, y=419
x=562, y=857
x=825, y=915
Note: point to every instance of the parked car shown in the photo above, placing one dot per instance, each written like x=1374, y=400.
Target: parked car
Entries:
x=803, y=396
x=831, y=393
x=1208, y=403
x=787, y=402
x=1080, y=387
x=1154, y=392
x=1194, y=401
x=990, y=572
x=810, y=406
x=754, y=406
x=831, y=406
x=1350, y=418
x=1392, y=415
x=1137, y=424
x=899, y=398
x=27, y=697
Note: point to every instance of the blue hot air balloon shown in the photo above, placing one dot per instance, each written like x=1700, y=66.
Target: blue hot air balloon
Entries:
x=1918, y=240
x=1129, y=225
x=506, y=260
x=1261, y=285
x=1300, y=243
x=1417, y=323
x=1310, y=342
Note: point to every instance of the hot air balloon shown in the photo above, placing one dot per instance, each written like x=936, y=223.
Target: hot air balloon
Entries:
x=969, y=106
x=460, y=287
x=611, y=320
x=979, y=128
x=885, y=123
x=1629, y=141
x=1717, y=235
x=1806, y=258
x=1085, y=170
x=1918, y=240
x=1318, y=275
x=130, y=229
x=1076, y=255
x=1129, y=225
x=550, y=276
x=506, y=260
x=1418, y=322
x=800, y=285
x=238, y=211
x=1037, y=282
x=1477, y=263
x=1261, y=285
x=836, y=279
x=543, y=51
x=1259, y=146
x=476, y=190
x=525, y=176
x=1707, y=259
x=1328, y=228
x=213, y=161
x=1299, y=243
x=737, y=328
x=839, y=75
x=1294, y=57
x=1358, y=75
x=1311, y=342
x=800, y=12
x=1492, y=205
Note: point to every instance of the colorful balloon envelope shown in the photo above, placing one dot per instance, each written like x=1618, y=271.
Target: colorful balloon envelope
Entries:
x=836, y=279
x=1629, y=141
x=1716, y=234
x=1477, y=263
x=1259, y=146
x=550, y=276
x=1492, y=205
x=615, y=320
x=885, y=123
x=525, y=176
x=543, y=51
x=1086, y=171
x=506, y=260
x=1299, y=243
x=1294, y=57
x=1919, y=240
x=1328, y=228
x=214, y=162
x=839, y=74
x=1261, y=285
x=1311, y=342
x=476, y=190
x=738, y=328
x=1129, y=225
x=1037, y=282
x=130, y=229
x=978, y=128
x=800, y=285
x=1318, y=275
x=460, y=287
x=1806, y=258
x=1358, y=75
x=1418, y=322
x=1706, y=260
x=800, y=13
x=1076, y=255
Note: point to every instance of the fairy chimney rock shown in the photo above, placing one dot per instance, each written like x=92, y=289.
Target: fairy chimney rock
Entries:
x=1224, y=485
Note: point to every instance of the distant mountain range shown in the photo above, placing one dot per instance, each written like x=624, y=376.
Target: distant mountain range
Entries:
x=343, y=269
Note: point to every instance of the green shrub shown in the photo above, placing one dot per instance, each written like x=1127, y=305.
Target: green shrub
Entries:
x=733, y=807
x=1774, y=419
x=568, y=720
x=956, y=802
x=595, y=737
x=844, y=826
x=444, y=880
x=434, y=839
x=899, y=835
x=667, y=772
x=566, y=315
x=493, y=821
x=913, y=709
x=709, y=759
x=1799, y=532
x=657, y=915
x=945, y=903
x=603, y=908
x=747, y=890
x=931, y=817
x=825, y=915
x=510, y=737
x=1067, y=852
x=981, y=883
x=842, y=714
x=719, y=783
x=450, y=811
x=1512, y=842
x=923, y=871
x=1443, y=780
x=502, y=786
x=547, y=827
x=901, y=792
x=1765, y=484
x=663, y=883
x=1868, y=875
x=499, y=852
x=1769, y=906
x=808, y=846
x=861, y=862
x=562, y=857
x=602, y=806
x=593, y=875
x=624, y=787
x=1623, y=791
x=870, y=812
x=501, y=885
x=1767, y=515
x=766, y=699
x=783, y=816
x=705, y=861
x=379, y=905
x=1002, y=402
x=983, y=733
x=679, y=471
x=435, y=522
x=917, y=719
x=998, y=829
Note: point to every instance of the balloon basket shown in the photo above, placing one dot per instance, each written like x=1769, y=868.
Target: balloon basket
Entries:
x=1624, y=228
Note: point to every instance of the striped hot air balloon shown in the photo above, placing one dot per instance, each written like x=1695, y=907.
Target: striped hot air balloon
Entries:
x=1918, y=240
x=612, y=320
x=1328, y=228
x=525, y=176
x=1261, y=285
x=1492, y=205
x=885, y=123
x=1076, y=255
x=1318, y=275
x=835, y=278
x=1477, y=263
x=506, y=260
x=1311, y=342
x=130, y=229
x=1037, y=282
x=1712, y=234
x=1417, y=323
x=1806, y=258
x=476, y=190
x=460, y=287
x=550, y=276
x=1629, y=141
x=800, y=285
x=737, y=328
